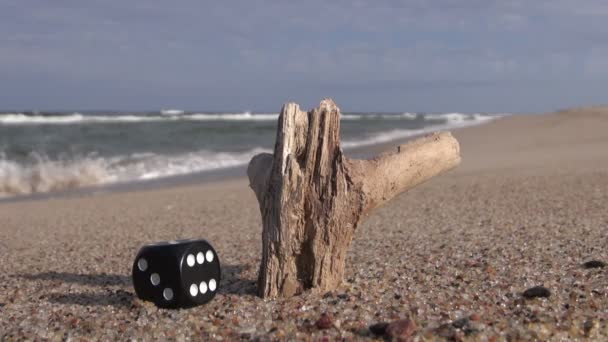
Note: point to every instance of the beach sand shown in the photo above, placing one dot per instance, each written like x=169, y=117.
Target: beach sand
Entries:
x=527, y=207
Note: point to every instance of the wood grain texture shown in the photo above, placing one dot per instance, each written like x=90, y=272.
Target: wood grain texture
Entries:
x=312, y=197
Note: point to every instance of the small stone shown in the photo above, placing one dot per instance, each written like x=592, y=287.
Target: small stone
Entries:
x=446, y=331
x=343, y=296
x=475, y=317
x=324, y=322
x=378, y=328
x=594, y=264
x=460, y=323
x=362, y=331
x=537, y=292
x=589, y=326
x=491, y=271
x=248, y=330
x=401, y=330
x=280, y=334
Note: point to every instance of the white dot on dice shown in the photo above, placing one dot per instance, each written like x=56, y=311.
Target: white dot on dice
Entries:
x=168, y=294
x=155, y=279
x=142, y=264
x=209, y=256
x=190, y=260
x=193, y=290
x=212, y=285
x=200, y=257
x=203, y=287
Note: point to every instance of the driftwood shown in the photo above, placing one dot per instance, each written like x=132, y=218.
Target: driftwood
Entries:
x=312, y=197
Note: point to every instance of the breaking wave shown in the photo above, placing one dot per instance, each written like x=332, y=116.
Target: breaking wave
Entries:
x=178, y=115
x=172, y=112
x=36, y=173
x=41, y=174
x=78, y=118
x=451, y=121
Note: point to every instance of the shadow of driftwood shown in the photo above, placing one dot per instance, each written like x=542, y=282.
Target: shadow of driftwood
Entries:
x=231, y=283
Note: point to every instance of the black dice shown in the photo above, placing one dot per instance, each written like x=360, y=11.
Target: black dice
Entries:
x=177, y=274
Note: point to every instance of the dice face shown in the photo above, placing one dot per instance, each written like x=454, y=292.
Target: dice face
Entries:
x=176, y=274
x=200, y=272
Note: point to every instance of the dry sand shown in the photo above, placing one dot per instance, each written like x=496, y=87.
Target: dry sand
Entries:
x=527, y=207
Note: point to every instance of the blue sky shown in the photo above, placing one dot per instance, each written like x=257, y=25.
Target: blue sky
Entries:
x=418, y=55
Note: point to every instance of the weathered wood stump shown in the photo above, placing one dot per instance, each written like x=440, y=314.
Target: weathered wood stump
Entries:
x=312, y=197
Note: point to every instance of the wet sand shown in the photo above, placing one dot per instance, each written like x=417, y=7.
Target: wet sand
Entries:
x=527, y=207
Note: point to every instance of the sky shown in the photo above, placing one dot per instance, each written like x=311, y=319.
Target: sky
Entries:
x=416, y=55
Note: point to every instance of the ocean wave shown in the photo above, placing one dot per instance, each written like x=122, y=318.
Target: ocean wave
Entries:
x=75, y=118
x=377, y=116
x=247, y=116
x=178, y=115
x=460, y=117
x=78, y=118
x=451, y=121
x=44, y=175
x=172, y=112
x=41, y=174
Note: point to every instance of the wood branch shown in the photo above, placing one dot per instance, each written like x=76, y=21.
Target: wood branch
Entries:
x=388, y=175
x=312, y=197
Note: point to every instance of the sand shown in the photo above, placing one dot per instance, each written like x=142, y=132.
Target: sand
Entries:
x=527, y=207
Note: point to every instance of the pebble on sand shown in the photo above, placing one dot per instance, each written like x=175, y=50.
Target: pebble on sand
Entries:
x=378, y=328
x=401, y=330
x=594, y=264
x=537, y=292
x=325, y=321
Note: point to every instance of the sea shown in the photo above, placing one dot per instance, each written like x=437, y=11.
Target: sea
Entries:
x=42, y=152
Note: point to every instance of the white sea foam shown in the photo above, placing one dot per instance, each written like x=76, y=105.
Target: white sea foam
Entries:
x=40, y=174
x=393, y=116
x=247, y=116
x=452, y=120
x=178, y=115
x=77, y=118
x=44, y=175
x=172, y=112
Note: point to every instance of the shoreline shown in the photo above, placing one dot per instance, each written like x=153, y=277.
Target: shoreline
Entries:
x=214, y=175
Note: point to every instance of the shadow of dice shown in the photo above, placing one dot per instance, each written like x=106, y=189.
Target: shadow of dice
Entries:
x=177, y=274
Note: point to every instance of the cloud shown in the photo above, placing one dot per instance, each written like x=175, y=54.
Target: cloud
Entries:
x=220, y=48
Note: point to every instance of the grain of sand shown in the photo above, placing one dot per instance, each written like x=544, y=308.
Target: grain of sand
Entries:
x=527, y=207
